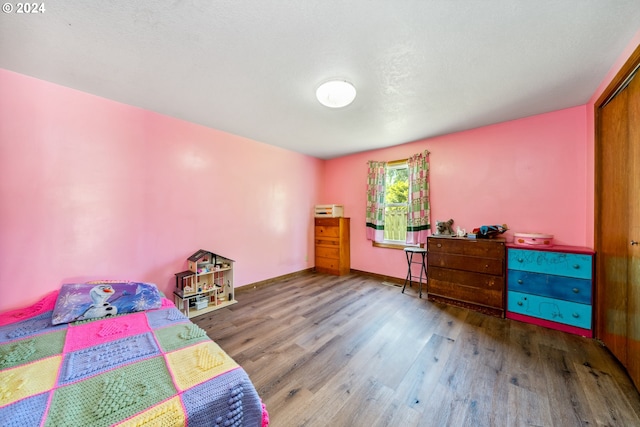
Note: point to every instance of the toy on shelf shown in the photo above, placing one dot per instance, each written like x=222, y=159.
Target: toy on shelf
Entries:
x=444, y=228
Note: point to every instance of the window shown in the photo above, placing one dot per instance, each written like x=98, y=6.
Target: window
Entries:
x=396, y=195
x=398, y=207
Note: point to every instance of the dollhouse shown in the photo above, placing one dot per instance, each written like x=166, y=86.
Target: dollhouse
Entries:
x=206, y=285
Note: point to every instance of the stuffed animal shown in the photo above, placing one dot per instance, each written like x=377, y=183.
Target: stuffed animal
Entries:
x=444, y=228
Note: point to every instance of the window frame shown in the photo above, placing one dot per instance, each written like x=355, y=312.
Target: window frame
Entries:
x=395, y=244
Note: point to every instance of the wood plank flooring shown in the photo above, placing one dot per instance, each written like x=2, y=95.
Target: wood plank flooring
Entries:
x=349, y=351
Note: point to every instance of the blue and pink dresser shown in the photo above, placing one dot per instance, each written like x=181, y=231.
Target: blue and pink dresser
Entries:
x=551, y=287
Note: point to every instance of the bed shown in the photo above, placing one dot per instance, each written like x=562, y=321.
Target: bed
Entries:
x=148, y=367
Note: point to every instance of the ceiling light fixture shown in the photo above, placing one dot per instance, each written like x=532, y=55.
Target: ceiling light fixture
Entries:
x=336, y=93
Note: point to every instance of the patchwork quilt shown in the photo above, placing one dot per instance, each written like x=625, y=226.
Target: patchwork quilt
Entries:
x=147, y=368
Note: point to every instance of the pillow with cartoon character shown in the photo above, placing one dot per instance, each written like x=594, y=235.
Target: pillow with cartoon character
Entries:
x=96, y=300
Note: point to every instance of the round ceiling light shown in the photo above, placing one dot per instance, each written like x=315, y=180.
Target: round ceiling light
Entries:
x=336, y=93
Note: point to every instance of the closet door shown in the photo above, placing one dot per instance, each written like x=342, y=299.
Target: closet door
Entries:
x=618, y=225
x=611, y=228
x=633, y=307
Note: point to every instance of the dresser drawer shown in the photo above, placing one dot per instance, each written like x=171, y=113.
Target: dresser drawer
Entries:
x=466, y=263
x=327, y=231
x=329, y=222
x=328, y=252
x=557, y=263
x=327, y=241
x=559, y=311
x=328, y=265
x=478, y=248
x=466, y=286
x=566, y=288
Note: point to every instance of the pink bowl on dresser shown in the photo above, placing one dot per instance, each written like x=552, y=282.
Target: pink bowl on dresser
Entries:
x=533, y=239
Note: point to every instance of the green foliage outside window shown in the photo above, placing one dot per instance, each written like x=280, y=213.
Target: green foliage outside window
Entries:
x=397, y=185
x=397, y=193
x=396, y=197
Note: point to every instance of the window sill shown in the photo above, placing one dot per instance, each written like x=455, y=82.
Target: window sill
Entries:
x=400, y=246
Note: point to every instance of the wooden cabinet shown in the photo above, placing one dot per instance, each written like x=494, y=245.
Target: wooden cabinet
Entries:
x=551, y=287
x=332, y=246
x=467, y=272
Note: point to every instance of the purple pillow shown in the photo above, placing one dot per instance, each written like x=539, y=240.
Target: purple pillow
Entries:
x=96, y=300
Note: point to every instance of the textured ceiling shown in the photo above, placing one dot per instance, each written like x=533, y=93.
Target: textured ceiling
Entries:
x=422, y=68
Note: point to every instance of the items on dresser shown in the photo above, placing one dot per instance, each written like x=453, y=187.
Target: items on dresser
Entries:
x=551, y=287
x=468, y=273
x=540, y=240
x=332, y=246
x=328, y=211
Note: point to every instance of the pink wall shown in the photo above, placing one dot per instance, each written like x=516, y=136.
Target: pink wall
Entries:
x=530, y=174
x=534, y=174
x=94, y=189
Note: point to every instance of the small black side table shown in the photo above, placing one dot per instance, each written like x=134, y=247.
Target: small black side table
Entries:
x=423, y=268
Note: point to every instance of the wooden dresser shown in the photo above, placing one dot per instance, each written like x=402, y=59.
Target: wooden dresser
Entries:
x=551, y=287
x=332, y=246
x=467, y=273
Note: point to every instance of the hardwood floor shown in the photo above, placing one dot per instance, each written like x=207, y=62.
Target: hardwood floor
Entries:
x=350, y=351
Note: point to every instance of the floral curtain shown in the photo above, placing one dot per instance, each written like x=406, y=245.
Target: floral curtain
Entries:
x=375, y=200
x=419, y=210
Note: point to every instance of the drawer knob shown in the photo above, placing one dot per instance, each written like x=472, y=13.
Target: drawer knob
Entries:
x=576, y=290
x=519, y=281
x=519, y=303
x=520, y=260
x=576, y=315
x=576, y=266
x=439, y=245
